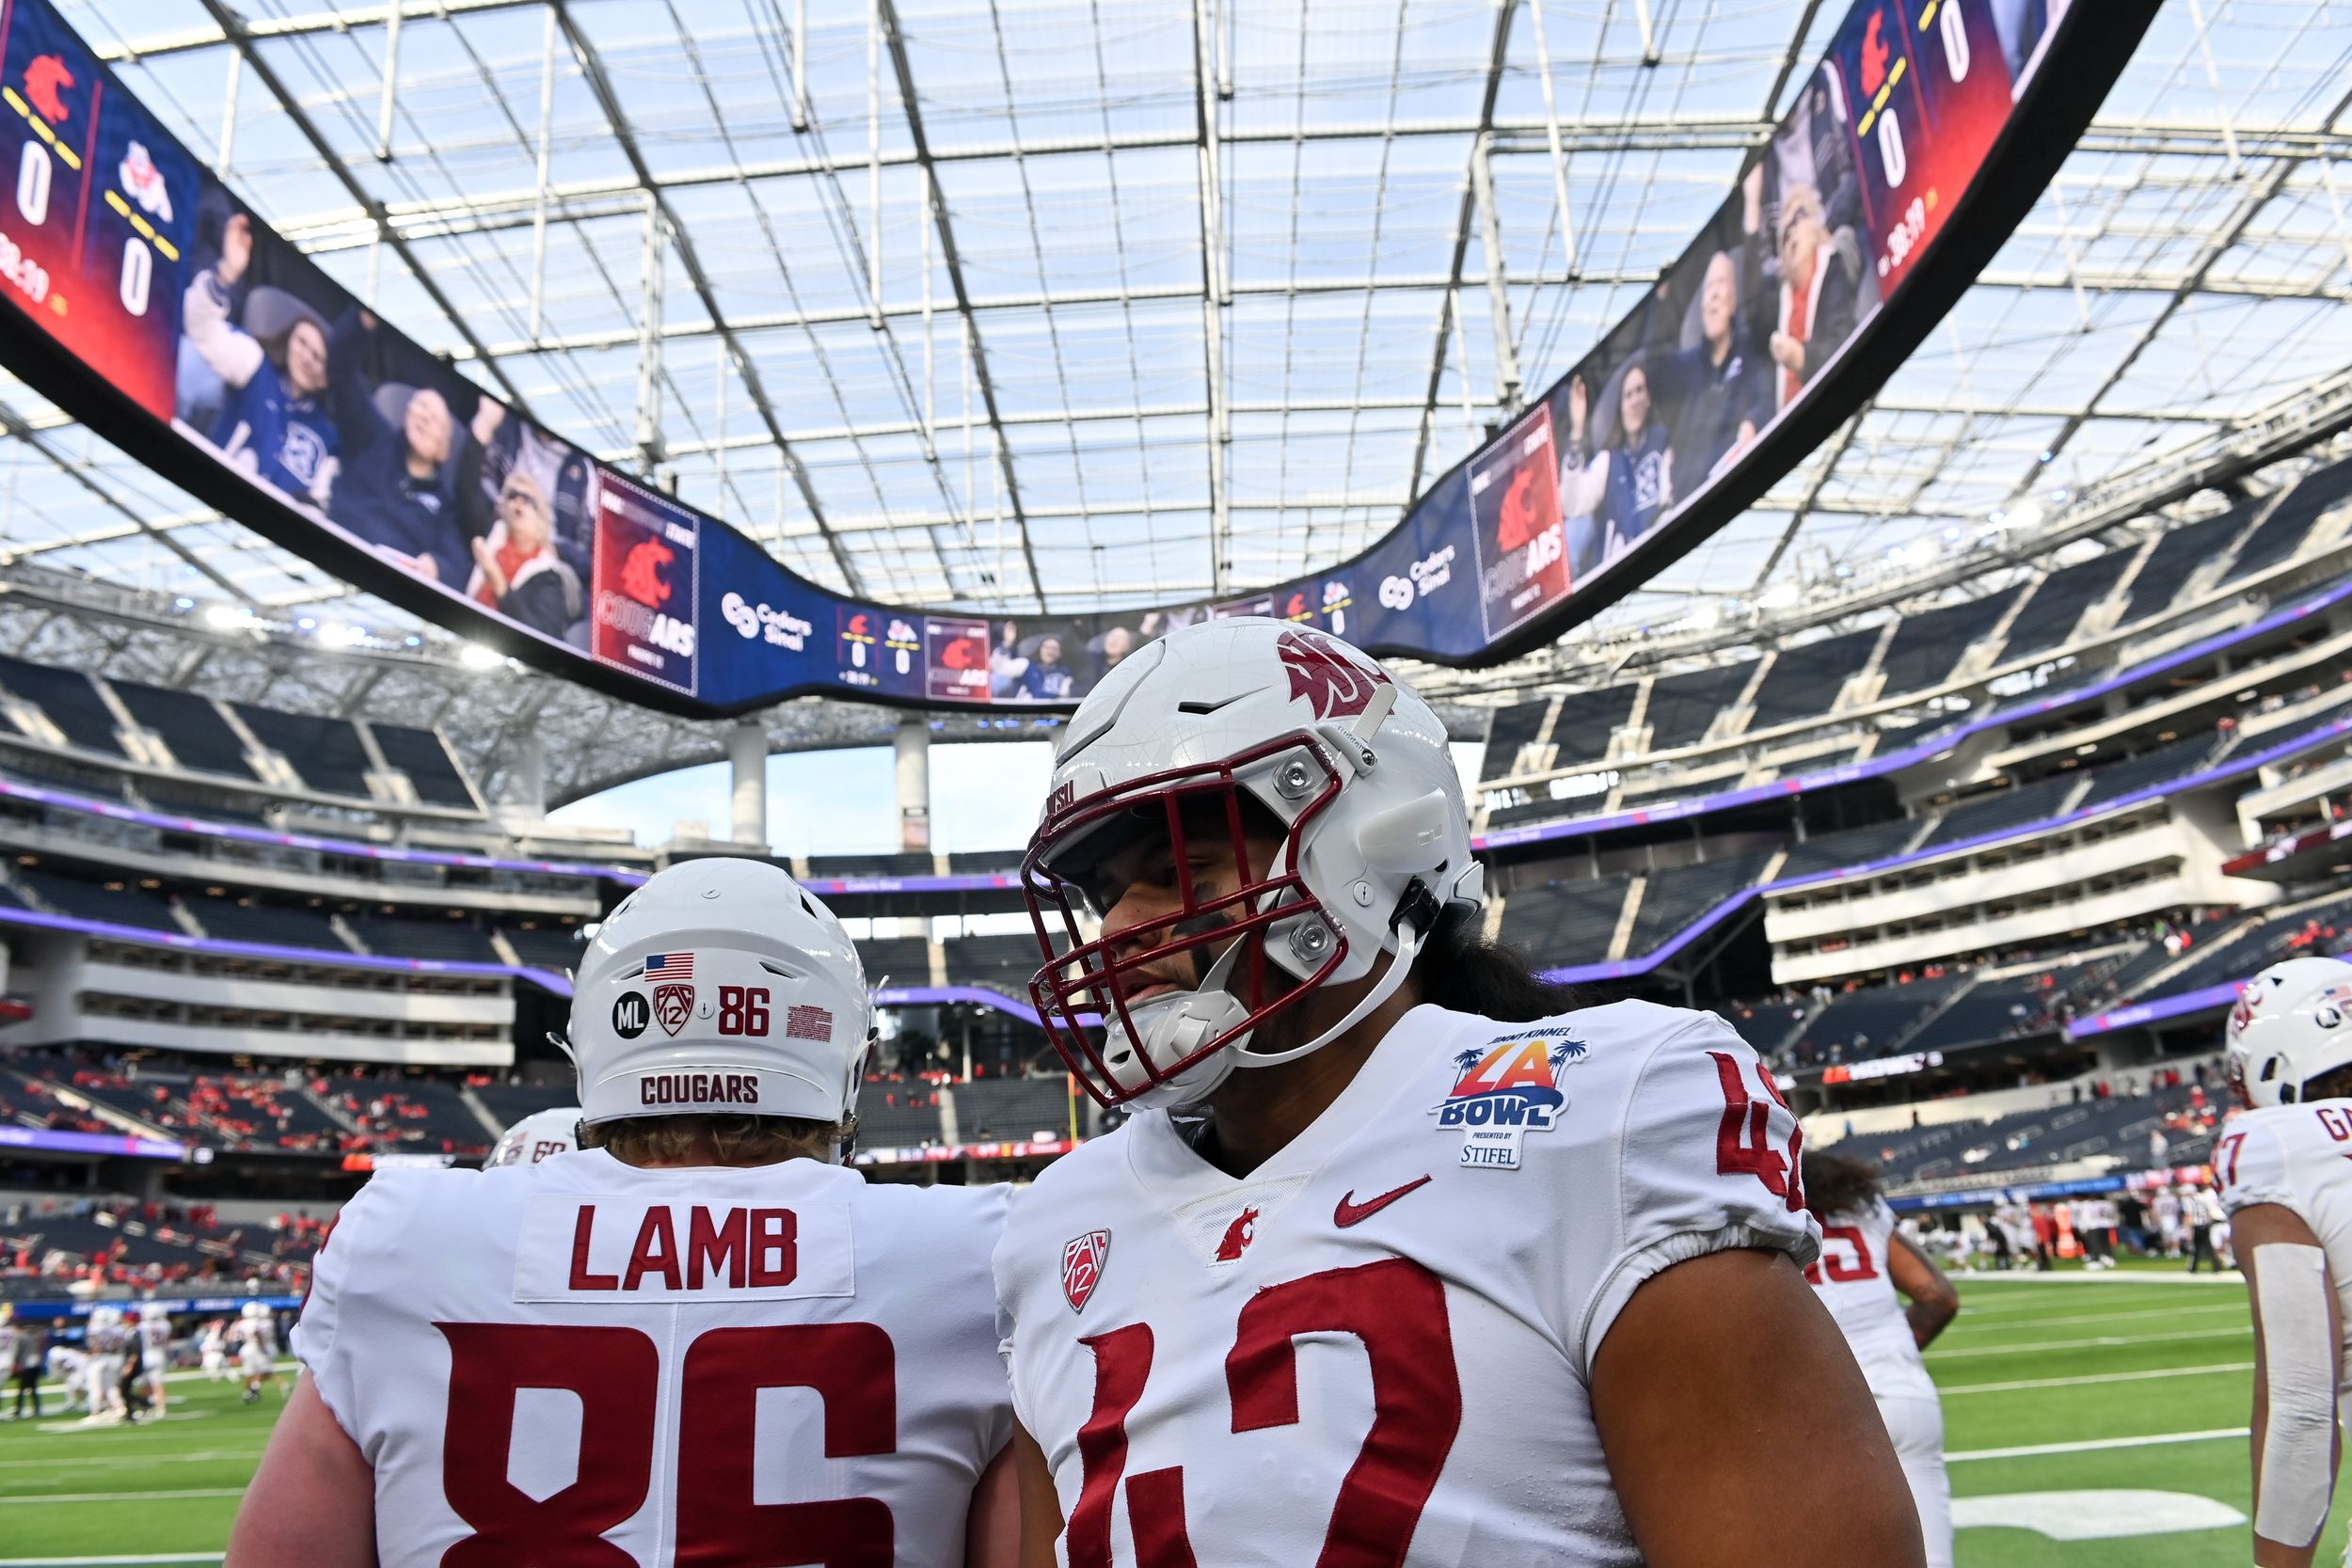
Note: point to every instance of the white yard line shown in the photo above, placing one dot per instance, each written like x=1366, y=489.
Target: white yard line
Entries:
x=2098, y=1444
x=126, y=1498
x=1963, y=1321
x=80, y=1461
x=94, y=1561
x=2104, y=1377
x=2177, y=1275
x=2100, y=1343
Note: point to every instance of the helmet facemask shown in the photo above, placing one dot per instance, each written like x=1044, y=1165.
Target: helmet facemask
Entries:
x=1254, y=950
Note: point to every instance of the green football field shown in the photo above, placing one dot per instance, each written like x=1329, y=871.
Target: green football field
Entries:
x=2094, y=1421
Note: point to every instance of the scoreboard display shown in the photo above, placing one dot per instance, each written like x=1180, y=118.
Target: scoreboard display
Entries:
x=155, y=305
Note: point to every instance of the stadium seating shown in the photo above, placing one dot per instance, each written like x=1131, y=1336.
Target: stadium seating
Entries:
x=2285, y=531
x=2179, y=554
x=238, y=919
x=1674, y=898
x=1511, y=729
x=2049, y=618
x=327, y=753
x=421, y=755
x=115, y=901
x=1681, y=707
x=69, y=701
x=1927, y=646
x=991, y=1109
x=2001, y=809
x=1567, y=922
x=191, y=726
x=2113, y=1128
x=1805, y=679
x=449, y=940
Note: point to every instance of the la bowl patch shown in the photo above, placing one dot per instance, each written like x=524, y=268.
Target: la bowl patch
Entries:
x=1503, y=1089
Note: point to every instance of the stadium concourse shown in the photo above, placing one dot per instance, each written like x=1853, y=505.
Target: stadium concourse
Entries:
x=1892, y=596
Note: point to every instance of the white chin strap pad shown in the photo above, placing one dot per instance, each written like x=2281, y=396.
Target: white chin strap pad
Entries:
x=2299, y=1469
x=1408, y=944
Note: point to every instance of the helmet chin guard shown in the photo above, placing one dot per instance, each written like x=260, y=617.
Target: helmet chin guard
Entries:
x=1213, y=730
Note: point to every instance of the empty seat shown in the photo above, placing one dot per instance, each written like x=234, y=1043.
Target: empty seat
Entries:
x=2000, y=809
x=277, y=924
x=1587, y=720
x=191, y=726
x=2177, y=557
x=2282, y=533
x=450, y=940
x=2119, y=779
x=1681, y=707
x=1993, y=1010
x=326, y=752
x=1676, y=895
x=901, y=960
x=1804, y=681
x=69, y=699
x=424, y=756
x=1849, y=847
x=2049, y=618
x=545, y=946
x=1927, y=646
x=1511, y=729
x=991, y=1109
x=115, y=902
x=1566, y=923
x=912, y=862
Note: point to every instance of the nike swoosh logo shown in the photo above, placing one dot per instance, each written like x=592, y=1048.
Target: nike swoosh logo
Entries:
x=1352, y=1212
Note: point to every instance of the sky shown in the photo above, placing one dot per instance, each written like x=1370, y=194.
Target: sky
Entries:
x=983, y=796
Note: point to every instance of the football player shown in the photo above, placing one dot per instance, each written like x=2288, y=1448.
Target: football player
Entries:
x=154, y=1350
x=699, y=1339
x=2288, y=1190
x=535, y=1137
x=257, y=1351
x=212, y=1348
x=1866, y=1259
x=1400, y=1258
x=101, y=1373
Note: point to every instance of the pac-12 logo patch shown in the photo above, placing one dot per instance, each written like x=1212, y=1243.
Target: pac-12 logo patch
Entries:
x=1082, y=1262
x=673, y=1005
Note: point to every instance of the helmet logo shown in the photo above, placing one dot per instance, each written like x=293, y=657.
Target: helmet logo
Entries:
x=673, y=993
x=1065, y=796
x=1082, y=1262
x=631, y=1015
x=1324, y=675
x=2243, y=1014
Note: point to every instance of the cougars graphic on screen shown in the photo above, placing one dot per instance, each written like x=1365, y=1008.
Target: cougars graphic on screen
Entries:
x=644, y=581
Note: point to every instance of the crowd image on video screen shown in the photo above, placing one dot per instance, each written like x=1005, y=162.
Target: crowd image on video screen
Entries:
x=300, y=389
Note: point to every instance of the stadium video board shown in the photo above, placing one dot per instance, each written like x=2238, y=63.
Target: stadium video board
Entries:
x=174, y=321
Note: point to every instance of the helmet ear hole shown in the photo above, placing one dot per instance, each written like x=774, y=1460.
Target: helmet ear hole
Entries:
x=2286, y=1094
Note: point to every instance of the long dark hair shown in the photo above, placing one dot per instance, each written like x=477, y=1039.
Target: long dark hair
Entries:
x=1835, y=1185
x=1462, y=971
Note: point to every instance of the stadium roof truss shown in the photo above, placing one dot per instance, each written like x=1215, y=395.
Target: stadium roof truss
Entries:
x=1039, y=303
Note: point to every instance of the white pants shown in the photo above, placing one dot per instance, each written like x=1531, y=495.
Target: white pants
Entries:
x=1916, y=1424
x=105, y=1381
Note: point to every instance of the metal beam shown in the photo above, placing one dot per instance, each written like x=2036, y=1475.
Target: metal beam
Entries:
x=1498, y=56
x=2217, y=243
x=625, y=137
x=951, y=260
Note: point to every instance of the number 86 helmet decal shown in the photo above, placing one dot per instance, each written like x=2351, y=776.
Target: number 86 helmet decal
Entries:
x=1216, y=735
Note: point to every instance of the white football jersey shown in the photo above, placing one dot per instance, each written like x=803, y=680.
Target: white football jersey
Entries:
x=1382, y=1336
x=2300, y=1158
x=692, y=1364
x=155, y=1343
x=1856, y=1284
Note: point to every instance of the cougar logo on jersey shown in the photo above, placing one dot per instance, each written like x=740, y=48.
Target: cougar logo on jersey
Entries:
x=1325, y=676
x=1238, y=1236
x=1082, y=1262
x=1509, y=1082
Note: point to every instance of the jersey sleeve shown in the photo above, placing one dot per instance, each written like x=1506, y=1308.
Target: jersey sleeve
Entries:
x=1706, y=1162
x=2251, y=1157
x=365, y=1225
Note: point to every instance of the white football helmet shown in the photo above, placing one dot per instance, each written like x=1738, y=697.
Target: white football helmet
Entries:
x=1353, y=768
x=253, y=1312
x=2292, y=1022
x=720, y=986
x=153, y=1311
x=535, y=1137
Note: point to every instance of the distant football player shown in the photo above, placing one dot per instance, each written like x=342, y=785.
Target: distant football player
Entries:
x=700, y=1340
x=212, y=1351
x=2288, y=1190
x=107, y=1340
x=1867, y=1271
x=70, y=1367
x=256, y=1334
x=154, y=1337
x=537, y=1138
x=1400, y=1258
x=24, y=1346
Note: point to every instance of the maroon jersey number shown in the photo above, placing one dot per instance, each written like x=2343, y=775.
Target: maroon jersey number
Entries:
x=616, y=1373
x=1397, y=1309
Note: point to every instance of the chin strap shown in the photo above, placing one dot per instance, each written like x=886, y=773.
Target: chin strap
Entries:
x=1415, y=909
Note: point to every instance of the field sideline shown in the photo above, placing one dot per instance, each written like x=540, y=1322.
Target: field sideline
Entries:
x=2092, y=1421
